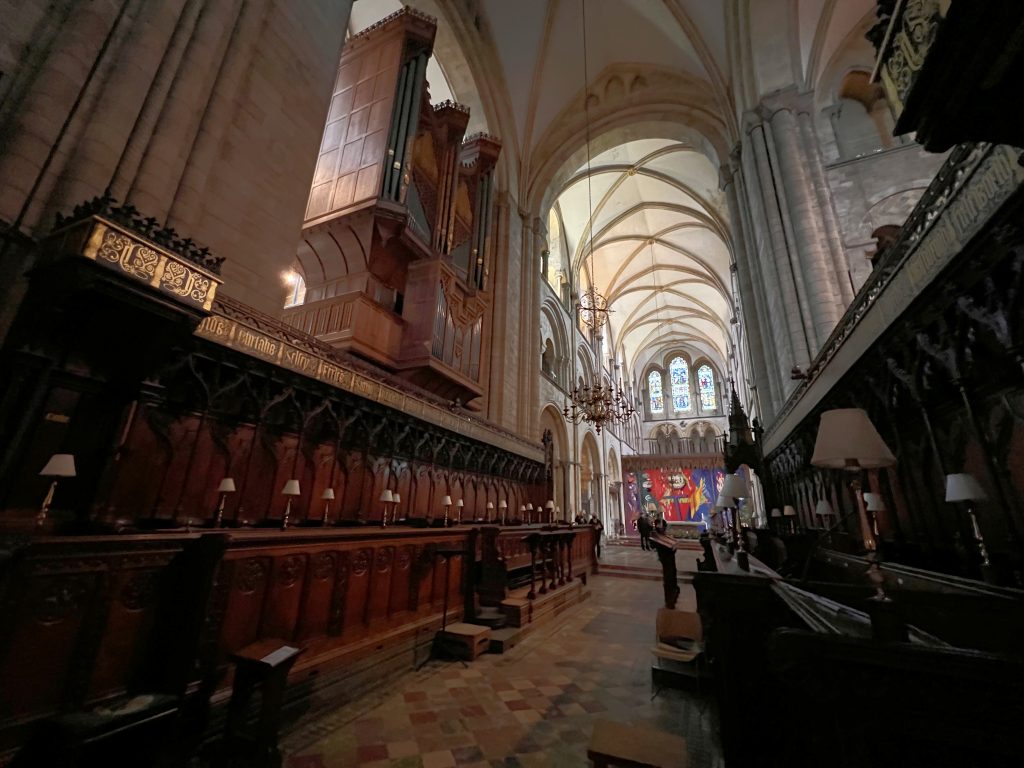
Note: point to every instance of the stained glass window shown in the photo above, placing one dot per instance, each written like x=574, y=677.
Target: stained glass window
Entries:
x=706, y=386
x=679, y=372
x=654, y=390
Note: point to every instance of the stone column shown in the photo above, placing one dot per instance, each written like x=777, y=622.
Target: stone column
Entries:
x=501, y=391
x=829, y=220
x=774, y=185
x=796, y=187
x=155, y=186
x=751, y=288
x=770, y=255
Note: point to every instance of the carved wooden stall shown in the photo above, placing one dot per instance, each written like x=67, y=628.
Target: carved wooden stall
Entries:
x=941, y=377
x=98, y=617
x=124, y=355
x=88, y=619
x=931, y=345
x=792, y=673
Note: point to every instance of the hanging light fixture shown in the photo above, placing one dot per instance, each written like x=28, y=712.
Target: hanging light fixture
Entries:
x=595, y=403
x=592, y=306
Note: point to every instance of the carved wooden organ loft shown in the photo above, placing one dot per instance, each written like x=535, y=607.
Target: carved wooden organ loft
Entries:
x=397, y=236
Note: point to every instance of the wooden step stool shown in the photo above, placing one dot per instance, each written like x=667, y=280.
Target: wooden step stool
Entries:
x=635, y=746
x=467, y=641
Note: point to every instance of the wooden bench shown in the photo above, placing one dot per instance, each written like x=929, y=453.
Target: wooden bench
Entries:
x=635, y=746
x=465, y=640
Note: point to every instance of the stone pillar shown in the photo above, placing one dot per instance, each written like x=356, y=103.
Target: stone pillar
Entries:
x=829, y=220
x=502, y=384
x=772, y=271
x=794, y=279
x=750, y=288
x=805, y=215
x=772, y=184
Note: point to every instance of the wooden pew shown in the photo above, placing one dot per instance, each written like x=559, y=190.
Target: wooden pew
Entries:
x=801, y=682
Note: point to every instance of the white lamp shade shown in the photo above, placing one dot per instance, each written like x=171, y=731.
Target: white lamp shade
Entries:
x=961, y=487
x=529, y=507
x=291, y=488
x=59, y=465
x=724, y=501
x=873, y=502
x=522, y=508
x=848, y=440
x=502, y=504
x=490, y=505
x=460, y=503
x=736, y=487
x=550, y=504
x=446, y=501
x=328, y=494
x=395, y=498
x=788, y=511
x=824, y=508
x=227, y=485
x=387, y=496
x=776, y=512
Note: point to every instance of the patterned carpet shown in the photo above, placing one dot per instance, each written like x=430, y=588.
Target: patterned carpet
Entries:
x=533, y=706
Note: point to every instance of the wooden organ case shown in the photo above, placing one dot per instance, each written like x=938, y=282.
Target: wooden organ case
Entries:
x=397, y=237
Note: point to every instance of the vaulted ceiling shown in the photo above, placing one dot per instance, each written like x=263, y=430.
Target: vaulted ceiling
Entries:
x=660, y=229
x=540, y=46
x=660, y=247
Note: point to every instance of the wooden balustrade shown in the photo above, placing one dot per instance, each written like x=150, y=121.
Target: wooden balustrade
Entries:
x=542, y=556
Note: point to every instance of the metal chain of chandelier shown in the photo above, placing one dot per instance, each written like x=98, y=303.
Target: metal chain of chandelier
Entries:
x=595, y=404
x=599, y=405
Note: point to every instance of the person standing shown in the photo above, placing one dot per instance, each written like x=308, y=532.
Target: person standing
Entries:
x=598, y=531
x=643, y=525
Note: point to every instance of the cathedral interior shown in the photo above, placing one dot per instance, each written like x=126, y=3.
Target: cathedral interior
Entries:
x=511, y=383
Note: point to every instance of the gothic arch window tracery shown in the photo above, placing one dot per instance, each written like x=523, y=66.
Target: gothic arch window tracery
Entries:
x=706, y=387
x=654, y=391
x=679, y=376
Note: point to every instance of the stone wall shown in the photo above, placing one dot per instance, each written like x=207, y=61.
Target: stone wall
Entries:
x=205, y=115
x=874, y=190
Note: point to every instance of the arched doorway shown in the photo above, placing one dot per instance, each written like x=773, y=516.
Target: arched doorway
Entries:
x=552, y=423
x=590, y=475
x=614, y=515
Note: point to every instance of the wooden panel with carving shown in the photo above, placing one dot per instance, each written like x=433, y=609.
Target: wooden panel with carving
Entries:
x=87, y=618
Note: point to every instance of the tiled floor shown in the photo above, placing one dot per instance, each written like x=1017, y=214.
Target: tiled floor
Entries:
x=533, y=706
x=634, y=557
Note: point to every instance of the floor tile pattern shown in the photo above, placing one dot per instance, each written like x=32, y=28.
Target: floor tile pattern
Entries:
x=533, y=706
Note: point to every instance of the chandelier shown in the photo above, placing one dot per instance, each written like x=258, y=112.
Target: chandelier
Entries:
x=599, y=405
x=593, y=307
x=596, y=404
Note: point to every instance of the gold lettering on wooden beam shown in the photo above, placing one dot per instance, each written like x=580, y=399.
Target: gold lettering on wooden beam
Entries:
x=258, y=344
x=235, y=335
x=333, y=374
x=300, y=361
x=392, y=397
